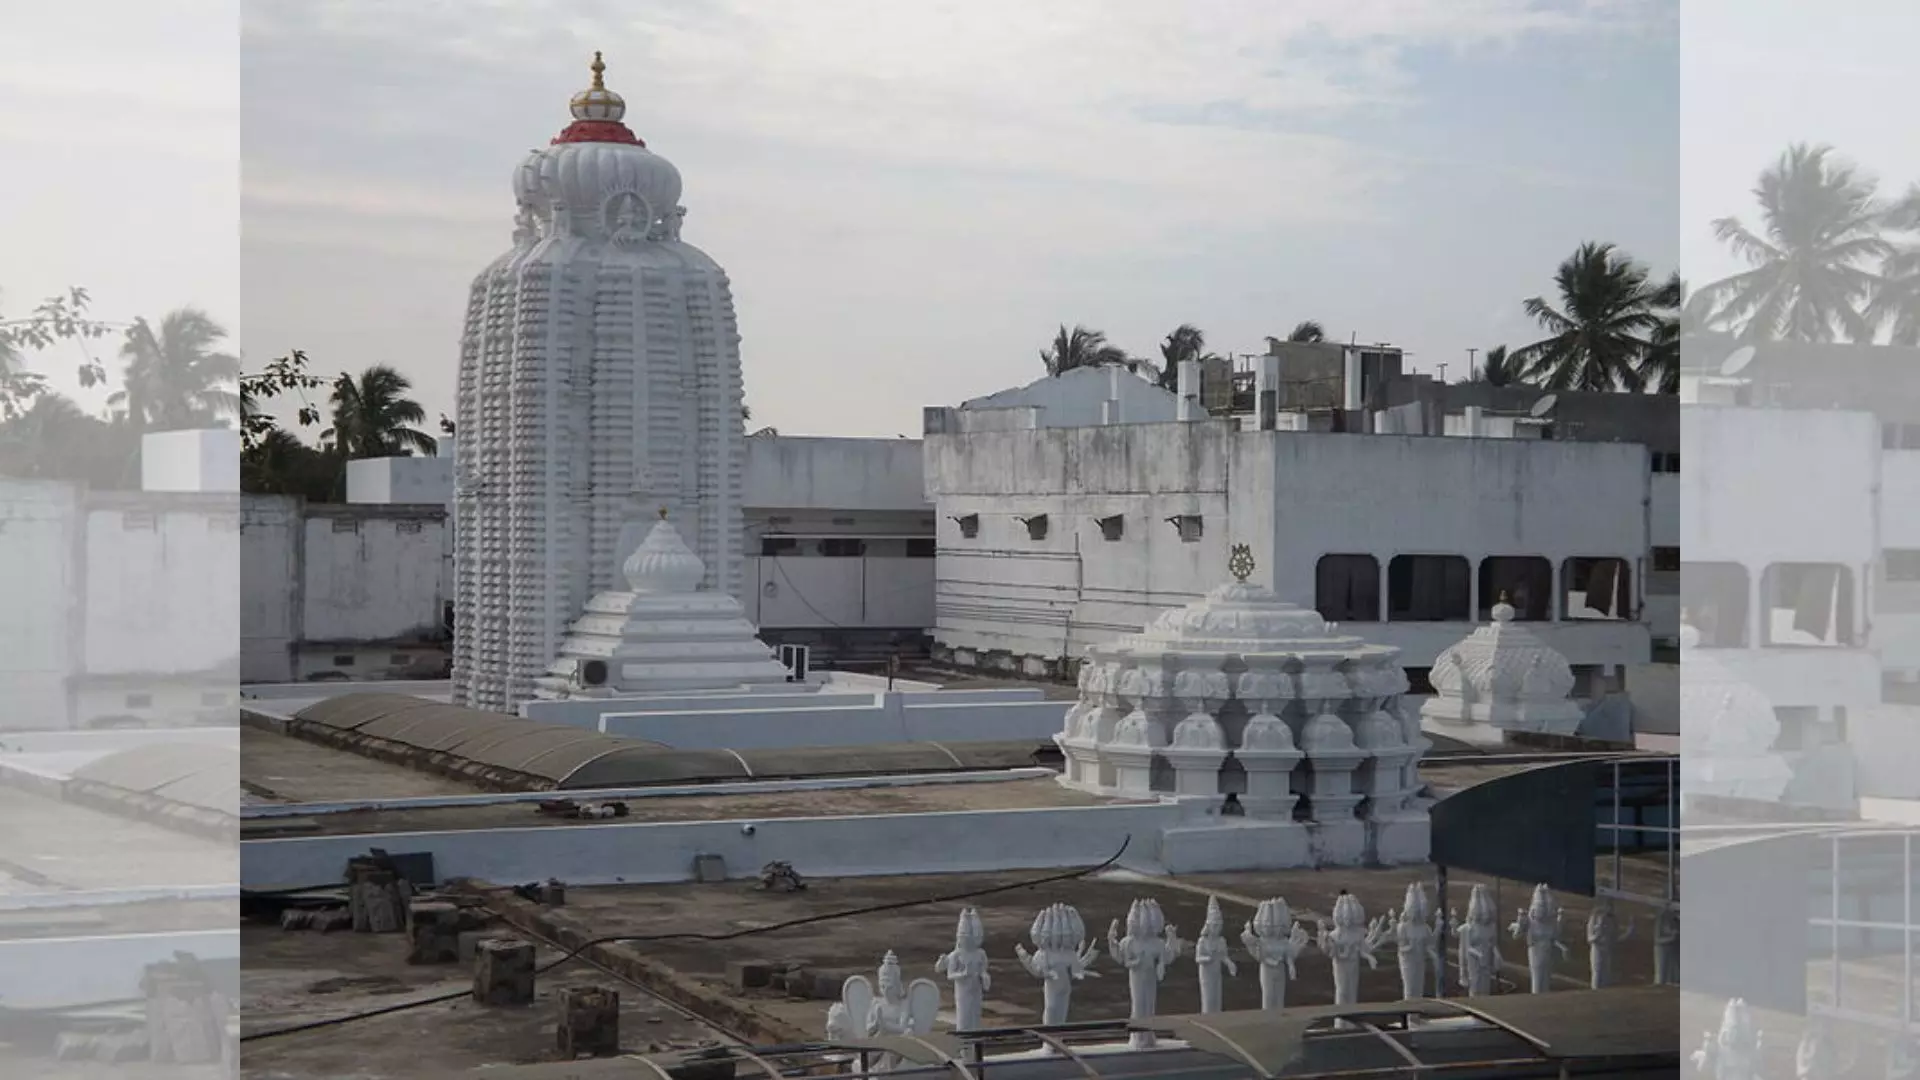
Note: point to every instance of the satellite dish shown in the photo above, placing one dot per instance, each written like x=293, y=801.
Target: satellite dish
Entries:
x=1544, y=405
x=1737, y=361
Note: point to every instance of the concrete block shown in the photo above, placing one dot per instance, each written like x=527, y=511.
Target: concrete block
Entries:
x=503, y=972
x=709, y=869
x=749, y=974
x=433, y=932
x=589, y=1023
x=468, y=943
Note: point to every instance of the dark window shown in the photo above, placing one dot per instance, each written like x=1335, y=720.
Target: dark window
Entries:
x=1597, y=588
x=1666, y=463
x=1036, y=526
x=1113, y=528
x=399, y=659
x=843, y=547
x=776, y=546
x=1900, y=436
x=1346, y=588
x=1666, y=560
x=843, y=522
x=1429, y=588
x=969, y=525
x=345, y=525
x=408, y=526
x=343, y=660
x=139, y=701
x=1714, y=601
x=139, y=521
x=1526, y=581
x=1806, y=604
x=1191, y=528
x=922, y=547
x=1903, y=564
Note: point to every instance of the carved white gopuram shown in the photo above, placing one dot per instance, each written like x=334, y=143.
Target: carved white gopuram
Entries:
x=1275, y=941
x=660, y=633
x=1479, y=943
x=1349, y=940
x=1727, y=744
x=898, y=1008
x=1733, y=1052
x=966, y=968
x=1416, y=939
x=1149, y=947
x=1539, y=924
x=1211, y=953
x=1241, y=694
x=1061, y=956
x=1501, y=678
x=599, y=379
x=1603, y=933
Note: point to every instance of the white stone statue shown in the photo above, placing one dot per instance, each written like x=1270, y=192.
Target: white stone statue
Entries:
x=898, y=1008
x=1479, y=943
x=1666, y=947
x=1150, y=945
x=1538, y=924
x=1817, y=1058
x=1062, y=955
x=1733, y=1052
x=966, y=968
x=1415, y=939
x=1275, y=941
x=1603, y=933
x=1349, y=940
x=1210, y=954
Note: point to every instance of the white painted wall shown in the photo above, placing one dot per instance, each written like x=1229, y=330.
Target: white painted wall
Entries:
x=413, y=481
x=1075, y=399
x=785, y=473
x=162, y=596
x=40, y=642
x=816, y=592
x=1294, y=496
x=191, y=461
x=661, y=852
x=271, y=533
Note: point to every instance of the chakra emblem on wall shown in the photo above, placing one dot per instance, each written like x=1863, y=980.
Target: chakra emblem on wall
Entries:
x=1240, y=562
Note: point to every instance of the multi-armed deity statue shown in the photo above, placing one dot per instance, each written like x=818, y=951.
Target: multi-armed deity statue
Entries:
x=1349, y=940
x=1416, y=939
x=1479, y=943
x=1211, y=953
x=1150, y=945
x=1538, y=924
x=1733, y=1052
x=1061, y=956
x=966, y=968
x=1276, y=941
x=1603, y=933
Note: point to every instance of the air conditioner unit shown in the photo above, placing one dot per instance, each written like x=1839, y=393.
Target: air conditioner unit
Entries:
x=797, y=659
x=588, y=673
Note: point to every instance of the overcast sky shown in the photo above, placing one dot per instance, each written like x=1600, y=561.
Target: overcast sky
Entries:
x=911, y=195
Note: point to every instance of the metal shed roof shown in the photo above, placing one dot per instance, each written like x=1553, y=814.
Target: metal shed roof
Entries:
x=194, y=774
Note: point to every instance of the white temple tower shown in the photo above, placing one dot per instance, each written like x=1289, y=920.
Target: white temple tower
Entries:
x=599, y=382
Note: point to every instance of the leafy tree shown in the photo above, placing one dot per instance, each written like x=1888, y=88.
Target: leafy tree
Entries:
x=374, y=417
x=1307, y=331
x=1599, y=336
x=283, y=375
x=1496, y=369
x=278, y=463
x=1896, y=301
x=177, y=377
x=1187, y=342
x=1813, y=261
x=1081, y=347
x=58, y=318
x=53, y=439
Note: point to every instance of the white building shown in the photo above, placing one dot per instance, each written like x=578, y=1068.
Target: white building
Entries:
x=599, y=383
x=1053, y=540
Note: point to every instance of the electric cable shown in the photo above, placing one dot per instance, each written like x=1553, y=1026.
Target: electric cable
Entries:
x=810, y=920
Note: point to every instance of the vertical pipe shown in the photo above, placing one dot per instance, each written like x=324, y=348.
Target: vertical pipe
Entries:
x=1189, y=390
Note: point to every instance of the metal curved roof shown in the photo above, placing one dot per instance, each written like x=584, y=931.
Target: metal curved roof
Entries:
x=194, y=774
x=579, y=759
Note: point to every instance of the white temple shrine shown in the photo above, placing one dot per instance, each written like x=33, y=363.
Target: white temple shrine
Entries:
x=1499, y=679
x=1284, y=736
x=599, y=379
x=661, y=633
x=1727, y=743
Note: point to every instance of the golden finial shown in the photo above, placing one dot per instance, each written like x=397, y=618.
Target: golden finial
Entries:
x=599, y=69
x=1240, y=562
x=663, y=513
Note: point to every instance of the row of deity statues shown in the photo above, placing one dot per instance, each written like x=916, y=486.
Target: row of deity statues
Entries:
x=1147, y=946
x=1734, y=1051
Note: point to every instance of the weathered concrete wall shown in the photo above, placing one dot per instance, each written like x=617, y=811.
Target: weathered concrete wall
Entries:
x=406, y=481
x=826, y=847
x=789, y=473
x=1004, y=596
x=1075, y=399
x=40, y=632
x=845, y=593
x=832, y=720
x=45, y=973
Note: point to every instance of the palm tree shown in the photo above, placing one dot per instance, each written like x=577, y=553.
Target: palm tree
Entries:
x=1821, y=224
x=1896, y=301
x=1187, y=342
x=53, y=439
x=177, y=377
x=1599, y=337
x=1498, y=369
x=1081, y=347
x=1659, y=366
x=373, y=417
x=1307, y=331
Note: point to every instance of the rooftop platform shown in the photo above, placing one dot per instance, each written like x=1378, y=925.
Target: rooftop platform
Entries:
x=47, y=845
